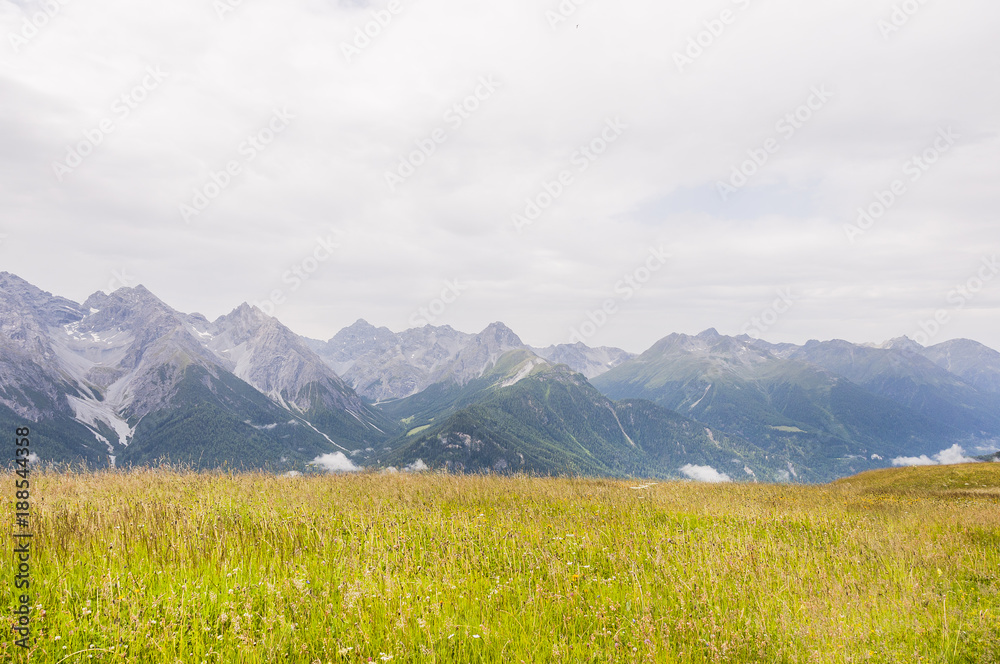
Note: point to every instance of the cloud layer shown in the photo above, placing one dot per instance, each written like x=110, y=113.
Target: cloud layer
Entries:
x=415, y=134
x=335, y=463
x=705, y=474
x=951, y=456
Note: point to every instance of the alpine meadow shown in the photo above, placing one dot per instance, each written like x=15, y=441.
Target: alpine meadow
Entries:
x=173, y=566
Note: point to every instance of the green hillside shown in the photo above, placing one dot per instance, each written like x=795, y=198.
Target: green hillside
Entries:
x=222, y=421
x=823, y=423
x=60, y=438
x=971, y=479
x=526, y=415
x=550, y=422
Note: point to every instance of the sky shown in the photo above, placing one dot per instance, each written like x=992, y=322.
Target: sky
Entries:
x=580, y=170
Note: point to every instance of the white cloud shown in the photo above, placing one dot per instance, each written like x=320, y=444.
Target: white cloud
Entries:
x=922, y=460
x=417, y=466
x=335, y=463
x=953, y=455
x=705, y=474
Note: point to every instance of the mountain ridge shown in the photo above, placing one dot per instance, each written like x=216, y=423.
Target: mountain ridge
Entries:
x=125, y=378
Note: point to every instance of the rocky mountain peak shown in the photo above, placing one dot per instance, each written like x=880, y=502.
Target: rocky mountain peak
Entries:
x=903, y=343
x=498, y=335
x=245, y=320
x=12, y=284
x=128, y=302
x=360, y=336
x=48, y=310
x=360, y=326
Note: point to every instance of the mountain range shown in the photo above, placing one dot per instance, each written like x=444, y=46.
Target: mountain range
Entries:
x=123, y=379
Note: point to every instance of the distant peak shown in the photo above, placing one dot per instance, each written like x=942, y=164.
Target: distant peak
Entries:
x=128, y=295
x=14, y=282
x=245, y=313
x=901, y=343
x=247, y=309
x=8, y=276
x=361, y=330
x=139, y=291
x=498, y=328
x=501, y=333
x=710, y=333
x=966, y=344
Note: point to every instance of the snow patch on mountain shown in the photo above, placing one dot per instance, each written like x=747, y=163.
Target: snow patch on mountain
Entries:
x=91, y=412
x=620, y=427
x=524, y=372
x=309, y=424
x=691, y=407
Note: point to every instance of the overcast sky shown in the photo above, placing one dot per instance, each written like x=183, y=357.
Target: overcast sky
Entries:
x=117, y=117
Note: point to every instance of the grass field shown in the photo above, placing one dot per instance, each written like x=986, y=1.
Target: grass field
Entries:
x=164, y=566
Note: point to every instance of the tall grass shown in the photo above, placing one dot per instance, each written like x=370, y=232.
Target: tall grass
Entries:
x=168, y=566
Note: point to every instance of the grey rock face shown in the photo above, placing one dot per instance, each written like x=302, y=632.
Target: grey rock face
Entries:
x=384, y=366
x=31, y=379
x=133, y=349
x=120, y=357
x=591, y=362
x=277, y=362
